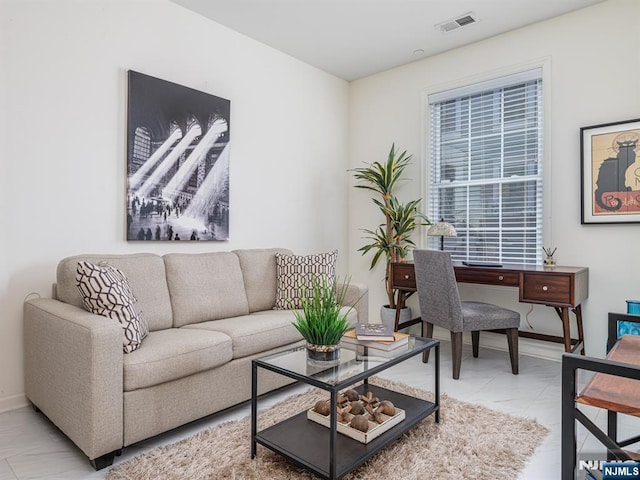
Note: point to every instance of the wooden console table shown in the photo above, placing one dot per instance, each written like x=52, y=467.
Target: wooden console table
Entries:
x=562, y=288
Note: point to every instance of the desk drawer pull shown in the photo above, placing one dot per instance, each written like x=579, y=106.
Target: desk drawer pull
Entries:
x=545, y=288
x=501, y=277
x=406, y=277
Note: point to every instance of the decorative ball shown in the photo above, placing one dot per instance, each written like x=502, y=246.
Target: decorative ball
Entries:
x=344, y=417
x=386, y=408
x=323, y=407
x=360, y=423
x=357, y=408
x=352, y=395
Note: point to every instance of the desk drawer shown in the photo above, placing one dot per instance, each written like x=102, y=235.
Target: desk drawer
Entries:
x=546, y=289
x=492, y=276
x=404, y=275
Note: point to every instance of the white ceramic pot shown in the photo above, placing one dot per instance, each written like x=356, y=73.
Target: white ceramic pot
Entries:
x=388, y=315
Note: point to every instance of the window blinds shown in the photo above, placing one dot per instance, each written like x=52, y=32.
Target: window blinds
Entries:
x=486, y=168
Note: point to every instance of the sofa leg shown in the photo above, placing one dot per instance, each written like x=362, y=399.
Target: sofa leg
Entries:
x=105, y=460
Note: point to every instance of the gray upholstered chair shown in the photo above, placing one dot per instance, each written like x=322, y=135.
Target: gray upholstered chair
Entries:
x=440, y=305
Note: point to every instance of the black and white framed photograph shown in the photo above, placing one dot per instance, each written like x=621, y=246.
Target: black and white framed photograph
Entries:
x=177, y=162
x=610, y=172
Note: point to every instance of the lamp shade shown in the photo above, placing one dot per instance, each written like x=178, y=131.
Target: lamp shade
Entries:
x=442, y=229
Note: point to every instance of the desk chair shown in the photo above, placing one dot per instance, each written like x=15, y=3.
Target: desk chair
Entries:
x=440, y=305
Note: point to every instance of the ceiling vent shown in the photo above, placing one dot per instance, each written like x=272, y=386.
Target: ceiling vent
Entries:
x=461, y=21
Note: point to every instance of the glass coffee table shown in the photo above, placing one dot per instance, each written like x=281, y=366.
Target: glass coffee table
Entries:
x=322, y=450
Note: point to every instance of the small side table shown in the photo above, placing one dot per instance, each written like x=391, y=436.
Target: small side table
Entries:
x=324, y=452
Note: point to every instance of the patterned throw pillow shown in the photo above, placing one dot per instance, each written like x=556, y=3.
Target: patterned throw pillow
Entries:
x=105, y=291
x=294, y=274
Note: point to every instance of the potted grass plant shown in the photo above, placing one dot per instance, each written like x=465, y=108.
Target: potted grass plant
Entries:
x=320, y=320
x=390, y=241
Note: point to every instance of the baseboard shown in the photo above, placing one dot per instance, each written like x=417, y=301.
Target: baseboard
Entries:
x=497, y=341
x=13, y=402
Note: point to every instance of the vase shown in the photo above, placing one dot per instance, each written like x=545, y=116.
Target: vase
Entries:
x=323, y=353
x=388, y=316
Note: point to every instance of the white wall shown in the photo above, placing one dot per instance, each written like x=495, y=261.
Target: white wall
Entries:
x=63, y=103
x=592, y=76
x=62, y=133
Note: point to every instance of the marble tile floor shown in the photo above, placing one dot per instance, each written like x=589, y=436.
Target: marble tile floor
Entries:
x=32, y=448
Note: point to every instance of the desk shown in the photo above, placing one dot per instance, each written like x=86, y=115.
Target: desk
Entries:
x=562, y=288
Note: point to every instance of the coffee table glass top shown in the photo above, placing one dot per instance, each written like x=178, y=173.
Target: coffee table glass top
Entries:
x=354, y=361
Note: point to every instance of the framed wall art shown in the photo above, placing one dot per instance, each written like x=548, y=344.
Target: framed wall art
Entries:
x=177, y=162
x=610, y=172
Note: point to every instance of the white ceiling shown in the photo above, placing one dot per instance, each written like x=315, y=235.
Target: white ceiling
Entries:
x=355, y=38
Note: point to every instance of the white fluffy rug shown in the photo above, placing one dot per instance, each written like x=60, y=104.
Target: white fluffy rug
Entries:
x=470, y=442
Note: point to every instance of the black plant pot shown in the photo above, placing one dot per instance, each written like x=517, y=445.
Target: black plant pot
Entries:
x=323, y=353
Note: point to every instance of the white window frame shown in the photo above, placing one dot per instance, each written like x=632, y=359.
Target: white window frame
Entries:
x=539, y=69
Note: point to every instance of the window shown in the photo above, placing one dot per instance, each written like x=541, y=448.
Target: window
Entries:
x=141, y=148
x=486, y=168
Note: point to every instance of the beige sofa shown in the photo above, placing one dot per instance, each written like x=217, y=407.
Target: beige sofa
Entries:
x=209, y=315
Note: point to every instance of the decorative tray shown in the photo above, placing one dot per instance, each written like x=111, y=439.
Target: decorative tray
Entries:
x=375, y=429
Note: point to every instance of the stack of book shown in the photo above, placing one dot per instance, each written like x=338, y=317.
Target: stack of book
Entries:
x=376, y=336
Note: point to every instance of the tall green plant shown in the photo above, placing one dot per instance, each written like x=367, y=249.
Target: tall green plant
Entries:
x=320, y=320
x=391, y=240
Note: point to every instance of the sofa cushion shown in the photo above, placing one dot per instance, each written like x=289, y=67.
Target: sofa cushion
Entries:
x=205, y=286
x=147, y=279
x=105, y=291
x=294, y=274
x=260, y=331
x=174, y=353
x=259, y=273
x=255, y=333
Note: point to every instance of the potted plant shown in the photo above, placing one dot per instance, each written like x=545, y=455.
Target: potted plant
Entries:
x=320, y=320
x=391, y=240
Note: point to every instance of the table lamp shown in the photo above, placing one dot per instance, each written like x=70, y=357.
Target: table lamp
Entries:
x=442, y=229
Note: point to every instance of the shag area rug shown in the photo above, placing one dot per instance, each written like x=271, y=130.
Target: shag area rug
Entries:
x=470, y=442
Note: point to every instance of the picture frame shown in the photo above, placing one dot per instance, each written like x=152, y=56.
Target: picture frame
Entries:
x=610, y=173
x=177, y=162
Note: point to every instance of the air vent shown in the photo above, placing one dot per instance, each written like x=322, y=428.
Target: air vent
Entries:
x=461, y=21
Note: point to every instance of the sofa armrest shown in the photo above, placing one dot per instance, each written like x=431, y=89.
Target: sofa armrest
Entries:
x=357, y=296
x=74, y=373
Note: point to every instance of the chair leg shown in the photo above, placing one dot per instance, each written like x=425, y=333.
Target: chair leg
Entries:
x=512, y=340
x=428, y=334
x=475, y=341
x=456, y=353
x=612, y=432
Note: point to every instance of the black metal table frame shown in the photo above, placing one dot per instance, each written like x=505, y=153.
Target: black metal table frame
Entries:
x=571, y=364
x=334, y=389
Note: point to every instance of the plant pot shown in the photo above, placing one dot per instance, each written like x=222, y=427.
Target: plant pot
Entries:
x=388, y=315
x=323, y=353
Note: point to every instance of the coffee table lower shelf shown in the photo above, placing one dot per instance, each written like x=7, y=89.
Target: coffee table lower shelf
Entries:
x=306, y=443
